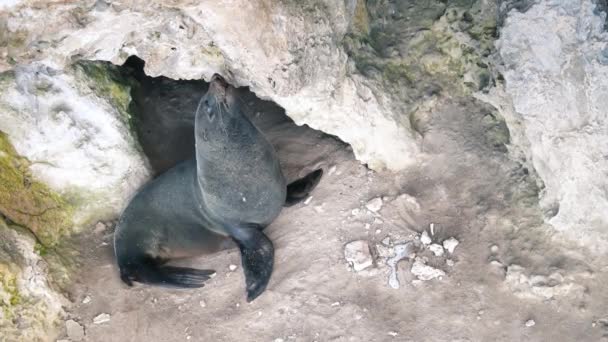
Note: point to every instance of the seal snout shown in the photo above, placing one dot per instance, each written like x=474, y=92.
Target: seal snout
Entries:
x=218, y=81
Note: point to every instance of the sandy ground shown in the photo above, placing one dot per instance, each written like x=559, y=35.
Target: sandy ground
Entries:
x=467, y=186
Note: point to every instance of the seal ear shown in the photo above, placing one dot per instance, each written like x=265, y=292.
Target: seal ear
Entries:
x=298, y=190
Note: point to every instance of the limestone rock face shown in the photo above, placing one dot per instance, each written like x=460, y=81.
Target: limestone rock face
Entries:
x=555, y=59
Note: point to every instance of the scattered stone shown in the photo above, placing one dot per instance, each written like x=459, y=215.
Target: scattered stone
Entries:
x=278, y=340
x=384, y=252
x=308, y=200
x=367, y=226
x=75, y=331
x=378, y=221
x=101, y=318
x=232, y=267
x=100, y=228
x=450, y=244
x=86, y=300
x=378, y=231
x=424, y=272
x=494, y=249
x=425, y=238
x=202, y=303
x=401, y=252
x=392, y=333
x=355, y=212
x=319, y=208
x=331, y=170
x=357, y=254
x=496, y=263
x=374, y=205
x=449, y=262
x=335, y=304
x=386, y=241
x=530, y=323
x=436, y=249
x=432, y=229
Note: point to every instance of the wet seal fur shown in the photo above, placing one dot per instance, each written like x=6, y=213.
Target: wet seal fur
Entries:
x=234, y=188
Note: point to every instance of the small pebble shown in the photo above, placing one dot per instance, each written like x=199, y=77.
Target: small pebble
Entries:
x=358, y=255
x=386, y=241
x=367, y=226
x=494, y=249
x=308, y=200
x=100, y=227
x=335, y=304
x=75, y=331
x=374, y=205
x=232, y=268
x=202, y=303
x=530, y=323
x=278, y=340
x=378, y=231
x=449, y=262
x=450, y=244
x=425, y=238
x=331, y=170
x=392, y=333
x=436, y=249
x=101, y=318
x=86, y=300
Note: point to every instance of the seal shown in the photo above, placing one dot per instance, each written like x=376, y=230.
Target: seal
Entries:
x=233, y=189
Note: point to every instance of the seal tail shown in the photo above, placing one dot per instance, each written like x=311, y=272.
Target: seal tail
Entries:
x=151, y=272
x=298, y=190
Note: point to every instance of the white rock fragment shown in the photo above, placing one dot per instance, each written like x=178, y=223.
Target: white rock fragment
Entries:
x=331, y=170
x=378, y=231
x=425, y=238
x=449, y=262
x=494, y=249
x=308, y=200
x=392, y=333
x=100, y=228
x=75, y=331
x=101, y=318
x=335, y=304
x=374, y=205
x=401, y=252
x=203, y=304
x=278, y=340
x=436, y=249
x=530, y=323
x=86, y=300
x=232, y=267
x=425, y=272
x=358, y=255
x=450, y=244
x=386, y=241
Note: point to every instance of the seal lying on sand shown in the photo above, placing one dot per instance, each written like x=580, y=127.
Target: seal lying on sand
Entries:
x=234, y=188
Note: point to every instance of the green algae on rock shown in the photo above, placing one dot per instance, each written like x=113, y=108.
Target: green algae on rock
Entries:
x=28, y=202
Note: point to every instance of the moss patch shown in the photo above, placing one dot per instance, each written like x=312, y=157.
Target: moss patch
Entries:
x=107, y=81
x=29, y=202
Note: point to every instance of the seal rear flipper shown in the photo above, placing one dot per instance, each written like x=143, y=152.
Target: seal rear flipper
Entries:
x=257, y=257
x=298, y=190
x=153, y=273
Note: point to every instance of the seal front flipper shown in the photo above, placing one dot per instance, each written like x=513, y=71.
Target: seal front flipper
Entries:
x=257, y=257
x=151, y=271
x=298, y=190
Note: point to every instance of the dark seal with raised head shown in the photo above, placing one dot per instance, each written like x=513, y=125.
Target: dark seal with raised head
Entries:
x=233, y=189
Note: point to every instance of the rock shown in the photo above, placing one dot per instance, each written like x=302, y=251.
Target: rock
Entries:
x=232, y=267
x=494, y=249
x=374, y=205
x=549, y=117
x=392, y=333
x=425, y=272
x=386, y=241
x=450, y=244
x=307, y=201
x=75, y=331
x=530, y=323
x=436, y=249
x=101, y=318
x=86, y=300
x=449, y=262
x=553, y=286
x=100, y=228
x=202, y=303
x=425, y=238
x=358, y=255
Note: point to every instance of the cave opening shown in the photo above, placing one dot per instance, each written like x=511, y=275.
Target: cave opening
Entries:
x=162, y=115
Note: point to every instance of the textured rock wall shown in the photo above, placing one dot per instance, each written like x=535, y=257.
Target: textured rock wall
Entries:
x=555, y=65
